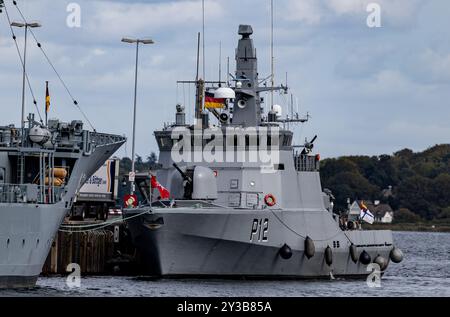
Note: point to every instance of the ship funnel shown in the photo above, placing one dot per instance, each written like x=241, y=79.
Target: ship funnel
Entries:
x=245, y=30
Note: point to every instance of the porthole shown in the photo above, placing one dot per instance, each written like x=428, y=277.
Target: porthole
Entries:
x=242, y=103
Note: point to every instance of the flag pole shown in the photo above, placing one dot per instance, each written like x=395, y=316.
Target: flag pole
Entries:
x=46, y=102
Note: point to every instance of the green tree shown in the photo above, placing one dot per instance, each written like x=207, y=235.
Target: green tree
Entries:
x=445, y=214
x=412, y=194
x=152, y=159
x=405, y=215
x=421, y=181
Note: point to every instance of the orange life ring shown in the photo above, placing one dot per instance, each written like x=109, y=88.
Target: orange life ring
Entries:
x=270, y=200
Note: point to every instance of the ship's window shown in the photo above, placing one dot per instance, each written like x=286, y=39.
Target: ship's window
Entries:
x=286, y=140
x=165, y=143
x=2, y=175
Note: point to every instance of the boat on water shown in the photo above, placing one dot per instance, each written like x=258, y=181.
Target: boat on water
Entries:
x=236, y=197
x=41, y=170
x=42, y=166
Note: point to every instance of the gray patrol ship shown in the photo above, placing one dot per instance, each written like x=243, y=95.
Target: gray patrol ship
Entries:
x=234, y=216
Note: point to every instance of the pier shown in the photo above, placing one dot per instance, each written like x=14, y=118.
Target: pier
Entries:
x=103, y=251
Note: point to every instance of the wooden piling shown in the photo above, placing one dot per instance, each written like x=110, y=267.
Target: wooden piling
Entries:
x=91, y=250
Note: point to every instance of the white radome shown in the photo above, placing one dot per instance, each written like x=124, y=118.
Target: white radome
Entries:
x=278, y=110
x=224, y=93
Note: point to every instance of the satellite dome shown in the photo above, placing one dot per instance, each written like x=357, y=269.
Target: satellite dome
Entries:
x=224, y=93
x=278, y=110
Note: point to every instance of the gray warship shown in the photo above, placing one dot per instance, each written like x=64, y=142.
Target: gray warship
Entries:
x=245, y=215
x=42, y=166
x=41, y=169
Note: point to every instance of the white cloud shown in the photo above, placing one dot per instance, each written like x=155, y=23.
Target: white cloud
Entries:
x=400, y=12
x=157, y=60
x=98, y=52
x=347, y=6
x=390, y=81
x=420, y=130
x=307, y=11
x=313, y=12
x=112, y=18
x=435, y=66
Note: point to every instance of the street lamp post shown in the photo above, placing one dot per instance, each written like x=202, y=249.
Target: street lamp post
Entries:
x=26, y=26
x=137, y=41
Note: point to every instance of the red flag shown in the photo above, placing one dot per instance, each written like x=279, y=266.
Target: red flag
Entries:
x=164, y=193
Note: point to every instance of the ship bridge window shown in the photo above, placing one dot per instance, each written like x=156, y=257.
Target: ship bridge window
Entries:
x=287, y=139
x=165, y=143
x=2, y=175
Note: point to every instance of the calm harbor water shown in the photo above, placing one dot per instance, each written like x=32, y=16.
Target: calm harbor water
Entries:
x=424, y=272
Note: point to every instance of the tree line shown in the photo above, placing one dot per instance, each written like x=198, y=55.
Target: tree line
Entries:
x=420, y=181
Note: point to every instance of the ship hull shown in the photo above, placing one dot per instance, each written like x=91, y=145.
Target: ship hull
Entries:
x=26, y=236
x=232, y=244
x=27, y=231
x=18, y=281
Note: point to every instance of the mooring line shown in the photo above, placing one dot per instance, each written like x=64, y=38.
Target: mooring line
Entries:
x=304, y=237
x=95, y=227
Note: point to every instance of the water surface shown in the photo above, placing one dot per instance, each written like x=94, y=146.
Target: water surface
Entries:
x=425, y=271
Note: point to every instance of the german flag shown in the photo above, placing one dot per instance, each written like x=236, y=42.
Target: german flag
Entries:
x=213, y=103
x=47, y=98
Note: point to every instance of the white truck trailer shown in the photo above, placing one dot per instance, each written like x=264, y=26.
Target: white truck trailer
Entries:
x=98, y=194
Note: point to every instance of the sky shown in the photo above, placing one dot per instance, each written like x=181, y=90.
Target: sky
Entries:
x=368, y=91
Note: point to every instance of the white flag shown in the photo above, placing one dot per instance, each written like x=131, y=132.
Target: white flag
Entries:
x=367, y=216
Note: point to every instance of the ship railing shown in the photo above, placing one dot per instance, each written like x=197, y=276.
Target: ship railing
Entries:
x=99, y=139
x=30, y=193
x=306, y=163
